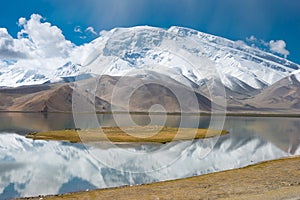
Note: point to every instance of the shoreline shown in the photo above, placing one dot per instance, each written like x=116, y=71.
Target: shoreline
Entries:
x=274, y=179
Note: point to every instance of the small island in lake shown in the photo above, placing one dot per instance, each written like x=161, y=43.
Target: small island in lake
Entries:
x=138, y=134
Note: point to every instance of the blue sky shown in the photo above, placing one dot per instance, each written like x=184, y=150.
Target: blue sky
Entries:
x=233, y=19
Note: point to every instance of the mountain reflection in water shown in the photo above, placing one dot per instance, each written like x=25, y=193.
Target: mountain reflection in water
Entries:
x=29, y=168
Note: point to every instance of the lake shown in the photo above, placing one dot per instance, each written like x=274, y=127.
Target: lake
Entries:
x=31, y=168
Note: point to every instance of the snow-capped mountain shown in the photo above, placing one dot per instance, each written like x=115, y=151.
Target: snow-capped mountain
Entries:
x=183, y=54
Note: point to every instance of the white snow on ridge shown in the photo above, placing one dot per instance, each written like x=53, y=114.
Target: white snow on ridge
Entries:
x=176, y=52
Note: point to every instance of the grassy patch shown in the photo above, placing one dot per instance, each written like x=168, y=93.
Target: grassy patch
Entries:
x=156, y=134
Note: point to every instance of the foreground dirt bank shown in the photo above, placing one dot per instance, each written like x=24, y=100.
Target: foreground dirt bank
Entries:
x=279, y=179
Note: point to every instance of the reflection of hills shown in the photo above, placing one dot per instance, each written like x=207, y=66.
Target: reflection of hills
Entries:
x=282, y=133
x=24, y=123
x=28, y=122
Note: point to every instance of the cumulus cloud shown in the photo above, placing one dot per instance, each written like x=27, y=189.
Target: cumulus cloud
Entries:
x=9, y=47
x=45, y=39
x=91, y=30
x=37, y=39
x=279, y=46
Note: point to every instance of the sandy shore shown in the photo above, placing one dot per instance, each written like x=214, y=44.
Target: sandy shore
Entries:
x=278, y=179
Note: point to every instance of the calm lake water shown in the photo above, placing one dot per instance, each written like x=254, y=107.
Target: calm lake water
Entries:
x=30, y=168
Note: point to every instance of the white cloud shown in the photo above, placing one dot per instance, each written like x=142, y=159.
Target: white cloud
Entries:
x=87, y=32
x=77, y=29
x=9, y=47
x=45, y=39
x=279, y=46
x=22, y=21
x=251, y=38
x=91, y=30
x=256, y=42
